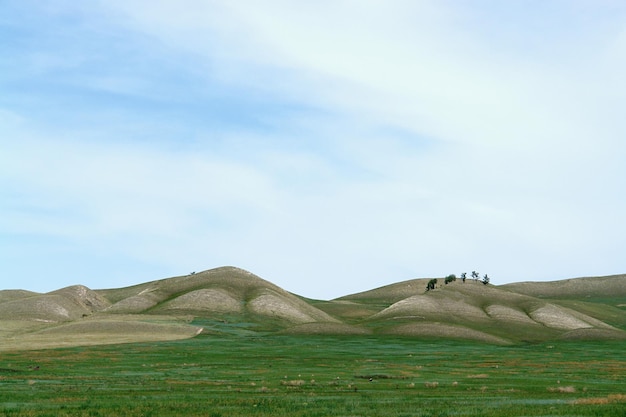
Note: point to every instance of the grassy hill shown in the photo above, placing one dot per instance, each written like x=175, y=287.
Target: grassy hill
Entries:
x=229, y=300
x=606, y=290
x=603, y=298
x=226, y=291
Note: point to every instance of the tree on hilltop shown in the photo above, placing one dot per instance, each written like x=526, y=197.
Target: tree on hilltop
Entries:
x=450, y=278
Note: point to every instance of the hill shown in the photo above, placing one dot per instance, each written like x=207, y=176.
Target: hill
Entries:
x=234, y=301
x=472, y=310
x=226, y=291
x=585, y=289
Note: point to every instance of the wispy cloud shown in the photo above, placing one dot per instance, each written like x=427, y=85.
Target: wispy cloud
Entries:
x=329, y=147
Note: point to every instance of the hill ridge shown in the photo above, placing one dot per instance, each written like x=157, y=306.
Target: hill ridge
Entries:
x=230, y=300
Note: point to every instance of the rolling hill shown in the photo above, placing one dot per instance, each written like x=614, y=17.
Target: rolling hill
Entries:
x=229, y=300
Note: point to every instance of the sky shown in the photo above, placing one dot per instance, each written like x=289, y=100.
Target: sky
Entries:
x=330, y=147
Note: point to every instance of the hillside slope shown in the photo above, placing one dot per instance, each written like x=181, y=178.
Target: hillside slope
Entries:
x=234, y=301
x=221, y=291
x=490, y=313
x=595, y=288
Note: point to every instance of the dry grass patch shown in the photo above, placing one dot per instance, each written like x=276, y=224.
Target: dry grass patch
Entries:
x=505, y=313
x=594, y=334
x=563, y=390
x=135, y=304
x=432, y=306
x=372, y=377
x=101, y=331
x=293, y=383
x=559, y=318
x=608, y=286
x=286, y=307
x=442, y=330
x=206, y=300
x=610, y=399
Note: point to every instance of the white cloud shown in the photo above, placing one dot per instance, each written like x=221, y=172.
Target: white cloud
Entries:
x=424, y=139
x=416, y=66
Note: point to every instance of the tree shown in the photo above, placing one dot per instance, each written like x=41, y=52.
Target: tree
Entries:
x=431, y=284
x=486, y=279
x=463, y=276
x=475, y=275
x=449, y=279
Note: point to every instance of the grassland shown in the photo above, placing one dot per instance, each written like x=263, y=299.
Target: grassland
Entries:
x=225, y=342
x=245, y=373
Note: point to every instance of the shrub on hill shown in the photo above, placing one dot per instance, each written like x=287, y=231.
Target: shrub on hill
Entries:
x=450, y=278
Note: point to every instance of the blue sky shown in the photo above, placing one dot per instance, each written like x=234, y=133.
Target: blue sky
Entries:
x=329, y=147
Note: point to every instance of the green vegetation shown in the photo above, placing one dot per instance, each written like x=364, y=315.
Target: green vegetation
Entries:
x=225, y=342
x=449, y=279
x=244, y=374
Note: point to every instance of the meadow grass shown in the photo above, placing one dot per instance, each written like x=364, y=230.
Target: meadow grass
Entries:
x=270, y=375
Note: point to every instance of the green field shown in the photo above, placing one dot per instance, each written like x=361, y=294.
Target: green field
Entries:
x=274, y=375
